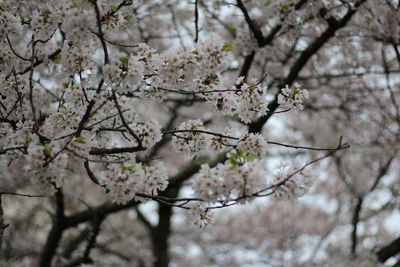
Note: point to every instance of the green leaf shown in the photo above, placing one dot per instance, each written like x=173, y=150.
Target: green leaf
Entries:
x=124, y=60
x=130, y=168
x=57, y=59
x=232, y=29
x=227, y=47
x=114, y=8
x=79, y=62
x=47, y=150
x=46, y=14
x=233, y=163
x=80, y=140
x=285, y=8
x=241, y=153
x=27, y=141
x=250, y=158
x=196, y=127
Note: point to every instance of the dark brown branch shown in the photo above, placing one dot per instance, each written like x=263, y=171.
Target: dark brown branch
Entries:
x=343, y=177
x=19, y=195
x=313, y=48
x=31, y=78
x=200, y=131
x=355, y=220
x=100, y=31
x=389, y=250
x=144, y=220
x=115, y=150
x=346, y=74
x=160, y=236
x=121, y=115
x=37, y=63
x=396, y=50
x=196, y=20
x=197, y=92
x=157, y=147
x=55, y=233
x=121, y=45
x=252, y=26
x=344, y=146
x=90, y=173
x=389, y=87
x=101, y=210
x=2, y=226
x=85, y=259
x=117, y=8
x=74, y=243
x=14, y=52
x=256, y=31
x=382, y=172
x=92, y=240
x=248, y=61
x=88, y=111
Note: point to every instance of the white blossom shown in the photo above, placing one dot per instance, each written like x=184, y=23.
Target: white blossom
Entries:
x=231, y=180
x=123, y=181
x=289, y=183
x=148, y=132
x=292, y=98
x=47, y=165
x=218, y=143
x=253, y=144
x=189, y=140
x=200, y=216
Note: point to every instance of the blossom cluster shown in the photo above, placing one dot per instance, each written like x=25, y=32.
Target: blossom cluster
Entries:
x=190, y=140
x=178, y=69
x=76, y=59
x=228, y=181
x=45, y=21
x=241, y=178
x=242, y=99
x=192, y=137
x=292, y=98
x=72, y=95
x=9, y=24
x=200, y=216
x=227, y=139
x=124, y=73
x=148, y=132
x=124, y=181
x=253, y=144
x=47, y=165
x=290, y=183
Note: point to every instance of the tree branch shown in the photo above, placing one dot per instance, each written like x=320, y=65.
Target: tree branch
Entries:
x=389, y=250
x=355, y=220
x=2, y=226
x=55, y=234
x=313, y=48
